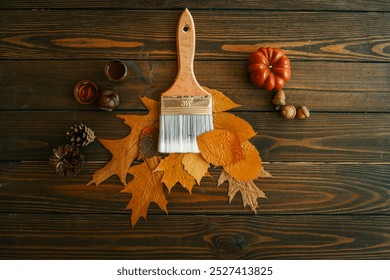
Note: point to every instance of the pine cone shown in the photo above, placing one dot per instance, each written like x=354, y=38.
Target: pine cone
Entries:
x=67, y=160
x=80, y=135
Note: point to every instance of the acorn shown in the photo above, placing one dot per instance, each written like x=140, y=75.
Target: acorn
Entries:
x=108, y=99
x=288, y=112
x=303, y=113
x=279, y=99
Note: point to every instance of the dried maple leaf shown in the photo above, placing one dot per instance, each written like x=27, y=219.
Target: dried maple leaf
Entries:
x=232, y=123
x=220, y=101
x=264, y=174
x=248, y=168
x=249, y=191
x=148, y=142
x=125, y=150
x=174, y=172
x=146, y=187
x=227, y=145
x=196, y=166
x=220, y=147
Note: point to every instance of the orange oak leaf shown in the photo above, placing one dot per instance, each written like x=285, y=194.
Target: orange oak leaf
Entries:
x=145, y=187
x=248, y=189
x=248, y=168
x=148, y=142
x=196, y=166
x=174, y=172
x=220, y=147
x=125, y=150
x=232, y=123
x=220, y=101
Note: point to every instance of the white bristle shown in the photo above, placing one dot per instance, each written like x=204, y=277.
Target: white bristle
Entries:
x=178, y=132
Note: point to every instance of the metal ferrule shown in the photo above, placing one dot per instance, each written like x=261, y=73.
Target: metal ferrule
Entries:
x=186, y=105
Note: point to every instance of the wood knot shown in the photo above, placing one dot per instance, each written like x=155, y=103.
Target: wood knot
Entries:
x=230, y=245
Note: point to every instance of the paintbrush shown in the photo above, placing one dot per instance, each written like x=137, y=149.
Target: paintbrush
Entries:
x=186, y=108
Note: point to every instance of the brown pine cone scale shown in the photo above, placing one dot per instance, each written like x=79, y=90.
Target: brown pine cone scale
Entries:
x=67, y=160
x=80, y=135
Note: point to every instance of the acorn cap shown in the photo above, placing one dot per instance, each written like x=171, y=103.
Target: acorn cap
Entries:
x=288, y=112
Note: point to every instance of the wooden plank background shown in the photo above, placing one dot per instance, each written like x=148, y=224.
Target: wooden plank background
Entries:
x=329, y=197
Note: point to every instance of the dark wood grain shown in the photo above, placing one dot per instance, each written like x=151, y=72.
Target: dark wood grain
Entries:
x=91, y=236
x=321, y=86
x=290, y=5
x=323, y=137
x=329, y=197
x=134, y=35
x=299, y=188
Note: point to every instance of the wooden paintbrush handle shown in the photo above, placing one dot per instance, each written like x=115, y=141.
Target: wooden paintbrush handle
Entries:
x=185, y=83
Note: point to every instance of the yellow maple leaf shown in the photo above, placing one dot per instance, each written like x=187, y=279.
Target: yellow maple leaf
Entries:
x=220, y=101
x=248, y=189
x=174, y=172
x=196, y=166
x=232, y=123
x=145, y=187
x=220, y=147
x=125, y=150
x=248, y=168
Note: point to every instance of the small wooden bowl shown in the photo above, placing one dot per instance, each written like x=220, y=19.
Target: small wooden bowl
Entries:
x=85, y=92
x=116, y=71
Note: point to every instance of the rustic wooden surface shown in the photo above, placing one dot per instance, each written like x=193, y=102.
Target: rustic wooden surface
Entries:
x=329, y=198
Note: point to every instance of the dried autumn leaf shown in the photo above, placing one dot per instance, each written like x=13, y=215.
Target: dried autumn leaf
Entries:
x=125, y=150
x=220, y=101
x=223, y=177
x=249, y=168
x=264, y=174
x=146, y=187
x=196, y=166
x=232, y=123
x=174, y=172
x=220, y=147
x=248, y=189
x=148, y=143
x=249, y=192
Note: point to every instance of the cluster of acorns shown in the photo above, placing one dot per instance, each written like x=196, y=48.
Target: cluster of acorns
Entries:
x=68, y=160
x=288, y=111
x=269, y=68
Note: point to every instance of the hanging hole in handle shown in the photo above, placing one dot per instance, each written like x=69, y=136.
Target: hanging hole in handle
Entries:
x=186, y=28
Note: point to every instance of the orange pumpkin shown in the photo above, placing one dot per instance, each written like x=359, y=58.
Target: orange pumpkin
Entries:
x=269, y=68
